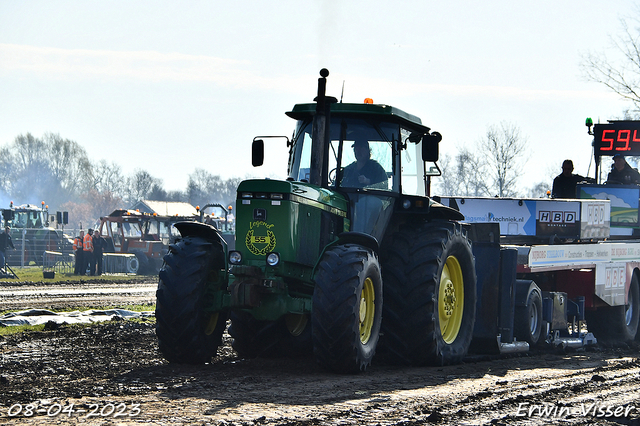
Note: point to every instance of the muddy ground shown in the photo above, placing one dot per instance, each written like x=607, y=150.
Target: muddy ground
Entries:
x=112, y=373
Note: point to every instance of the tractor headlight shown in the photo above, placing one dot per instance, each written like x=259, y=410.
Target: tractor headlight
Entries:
x=273, y=259
x=406, y=204
x=235, y=257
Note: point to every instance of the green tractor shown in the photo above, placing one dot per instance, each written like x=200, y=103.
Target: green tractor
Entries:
x=346, y=256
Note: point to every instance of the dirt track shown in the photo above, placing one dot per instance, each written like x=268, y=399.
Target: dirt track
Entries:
x=113, y=374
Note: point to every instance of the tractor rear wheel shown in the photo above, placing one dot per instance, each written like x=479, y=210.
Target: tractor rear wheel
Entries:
x=347, y=308
x=429, y=293
x=618, y=323
x=289, y=336
x=187, y=332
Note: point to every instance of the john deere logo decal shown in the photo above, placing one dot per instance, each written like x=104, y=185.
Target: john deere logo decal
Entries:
x=260, y=238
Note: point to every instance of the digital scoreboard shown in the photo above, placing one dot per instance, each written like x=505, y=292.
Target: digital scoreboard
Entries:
x=617, y=137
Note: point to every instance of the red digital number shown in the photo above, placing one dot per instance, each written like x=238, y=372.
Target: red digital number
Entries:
x=624, y=139
x=604, y=139
x=635, y=136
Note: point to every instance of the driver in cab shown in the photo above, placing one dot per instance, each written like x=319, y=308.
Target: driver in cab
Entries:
x=364, y=172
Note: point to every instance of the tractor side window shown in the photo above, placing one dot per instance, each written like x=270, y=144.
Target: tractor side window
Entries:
x=305, y=158
x=115, y=232
x=412, y=166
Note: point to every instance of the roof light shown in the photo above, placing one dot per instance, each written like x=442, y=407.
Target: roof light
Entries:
x=368, y=101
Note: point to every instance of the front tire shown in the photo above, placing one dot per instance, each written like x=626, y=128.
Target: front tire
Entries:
x=430, y=294
x=187, y=332
x=347, y=309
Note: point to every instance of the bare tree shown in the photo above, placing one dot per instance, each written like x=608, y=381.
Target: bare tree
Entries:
x=107, y=177
x=463, y=175
x=69, y=164
x=621, y=76
x=503, y=149
x=139, y=185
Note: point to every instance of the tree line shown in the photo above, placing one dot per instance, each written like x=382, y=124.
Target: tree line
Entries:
x=59, y=171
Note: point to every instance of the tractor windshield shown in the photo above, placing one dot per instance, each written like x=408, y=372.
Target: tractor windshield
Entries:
x=360, y=154
x=375, y=169
x=28, y=219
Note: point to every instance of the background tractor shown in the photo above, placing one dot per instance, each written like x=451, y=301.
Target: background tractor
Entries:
x=320, y=259
x=32, y=234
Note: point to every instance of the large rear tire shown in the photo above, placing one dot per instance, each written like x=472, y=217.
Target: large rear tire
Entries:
x=347, y=309
x=618, y=323
x=429, y=293
x=187, y=332
x=289, y=336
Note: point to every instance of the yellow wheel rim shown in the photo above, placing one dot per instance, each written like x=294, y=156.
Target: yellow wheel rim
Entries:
x=211, y=324
x=451, y=300
x=367, y=310
x=296, y=323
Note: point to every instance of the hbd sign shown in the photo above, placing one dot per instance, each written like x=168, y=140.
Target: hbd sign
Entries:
x=557, y=217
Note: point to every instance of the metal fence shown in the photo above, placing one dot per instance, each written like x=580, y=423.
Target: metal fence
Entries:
x=53, y=261
x=112, y=263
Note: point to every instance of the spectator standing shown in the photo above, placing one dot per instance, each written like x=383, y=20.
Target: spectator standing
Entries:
x=99, y=244
x=87, y=246
x=564, y=185
x=78, y=250
x=5, y=243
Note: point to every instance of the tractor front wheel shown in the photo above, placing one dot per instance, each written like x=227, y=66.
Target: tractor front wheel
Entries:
x=187, y=332
x=347, y=309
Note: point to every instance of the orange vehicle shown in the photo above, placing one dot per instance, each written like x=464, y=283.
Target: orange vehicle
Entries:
x=144, y=234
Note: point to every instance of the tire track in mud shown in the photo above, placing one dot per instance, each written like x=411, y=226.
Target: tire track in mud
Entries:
x=76, y=294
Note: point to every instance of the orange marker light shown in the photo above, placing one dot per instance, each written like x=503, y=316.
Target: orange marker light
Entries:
x=368, y=101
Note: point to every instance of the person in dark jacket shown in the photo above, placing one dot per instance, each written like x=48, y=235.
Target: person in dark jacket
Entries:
x=5, y=243
x=365, y=171
x=99, y=244
x=564, y=185
x=78, y=250
x=622, y=172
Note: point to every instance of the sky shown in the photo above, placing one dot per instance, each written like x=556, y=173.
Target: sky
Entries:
x=170, y=87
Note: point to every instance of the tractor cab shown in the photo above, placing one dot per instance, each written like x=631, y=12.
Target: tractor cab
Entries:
x=372, y=154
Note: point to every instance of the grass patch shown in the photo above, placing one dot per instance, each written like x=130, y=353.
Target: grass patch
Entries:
x=34, y=274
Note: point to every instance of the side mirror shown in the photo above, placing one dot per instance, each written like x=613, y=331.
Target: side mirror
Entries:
x=430, y=145
x=7, y=214
x=257, y=152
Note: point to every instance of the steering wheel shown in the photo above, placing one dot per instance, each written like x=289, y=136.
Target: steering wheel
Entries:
x=333, y=174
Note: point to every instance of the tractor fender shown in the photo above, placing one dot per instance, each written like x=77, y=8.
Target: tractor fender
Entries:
x=202, y=230
x=359, y=238
x=523, y=289
x=440, y=211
